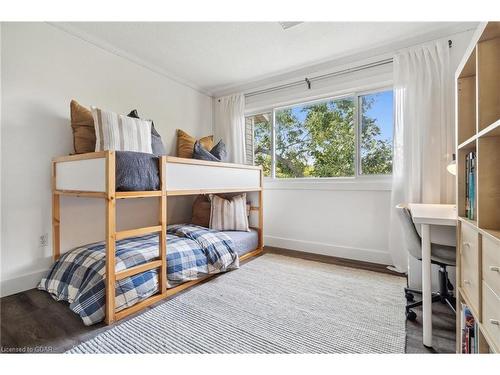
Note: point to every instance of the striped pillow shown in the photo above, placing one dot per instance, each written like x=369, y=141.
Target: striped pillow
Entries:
x=229, y=214
x=121, y=133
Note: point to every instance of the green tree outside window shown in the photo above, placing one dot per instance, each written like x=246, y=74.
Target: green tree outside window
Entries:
x=318, y=140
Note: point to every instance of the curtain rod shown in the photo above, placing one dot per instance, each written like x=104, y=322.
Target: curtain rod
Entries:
x=308, y=80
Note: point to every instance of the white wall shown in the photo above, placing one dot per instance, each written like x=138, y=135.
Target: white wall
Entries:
x=349, y=221
x=42, y=69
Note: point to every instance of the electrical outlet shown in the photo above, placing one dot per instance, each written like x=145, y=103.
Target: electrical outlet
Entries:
x=44, y=240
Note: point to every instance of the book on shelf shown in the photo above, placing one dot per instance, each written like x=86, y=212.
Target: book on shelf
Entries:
x=470, y=331
x=470, y=185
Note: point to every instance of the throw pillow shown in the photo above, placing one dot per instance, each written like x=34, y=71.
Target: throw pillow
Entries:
x=199, y=152
x=82, y=124
x=229, y=214
x=156, y=143
x=121, y=133
x=185, y=144
x=201, y=211
x=219, y=151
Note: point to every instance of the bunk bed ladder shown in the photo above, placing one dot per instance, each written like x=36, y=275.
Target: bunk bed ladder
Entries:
x=163, y=222
x=112, y=236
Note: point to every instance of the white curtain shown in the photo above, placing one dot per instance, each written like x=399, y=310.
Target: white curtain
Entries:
x=230, y=125
x=423, y=135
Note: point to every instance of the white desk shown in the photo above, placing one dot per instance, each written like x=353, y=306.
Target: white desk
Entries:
x=427, y=215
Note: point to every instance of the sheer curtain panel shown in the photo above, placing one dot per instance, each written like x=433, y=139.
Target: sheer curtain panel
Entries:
x=423, y=134
x=230, y=125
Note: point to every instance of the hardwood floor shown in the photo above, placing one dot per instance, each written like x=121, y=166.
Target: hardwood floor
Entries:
x=33, y=322
x=443, y=331
x=332, y=260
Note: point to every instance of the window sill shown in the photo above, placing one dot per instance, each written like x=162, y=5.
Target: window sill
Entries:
x=345, y=184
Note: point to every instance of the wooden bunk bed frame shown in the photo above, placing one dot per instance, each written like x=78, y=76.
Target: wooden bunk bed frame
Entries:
x=110, y=195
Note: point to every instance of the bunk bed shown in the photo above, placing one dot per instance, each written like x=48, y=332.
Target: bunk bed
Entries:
x=94, y=175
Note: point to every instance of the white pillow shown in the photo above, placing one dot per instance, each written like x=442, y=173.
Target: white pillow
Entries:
x=229, y=214
x=121, y=133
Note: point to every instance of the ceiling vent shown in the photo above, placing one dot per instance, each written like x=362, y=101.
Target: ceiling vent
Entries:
x=289, y=25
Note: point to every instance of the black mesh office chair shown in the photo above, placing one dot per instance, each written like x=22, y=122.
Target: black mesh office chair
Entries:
x=441, y=255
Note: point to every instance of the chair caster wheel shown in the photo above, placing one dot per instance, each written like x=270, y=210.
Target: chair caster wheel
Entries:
x=409, y=296
x=411, y=315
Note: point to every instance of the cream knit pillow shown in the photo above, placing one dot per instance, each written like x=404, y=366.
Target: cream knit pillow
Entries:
x=229, y=214
x=121, y=133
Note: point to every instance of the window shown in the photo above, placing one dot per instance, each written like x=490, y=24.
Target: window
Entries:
x=260, y=128
x=341, y=137
x=376, y=133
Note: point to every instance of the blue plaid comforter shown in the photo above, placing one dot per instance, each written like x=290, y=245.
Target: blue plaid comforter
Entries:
x=192, y=252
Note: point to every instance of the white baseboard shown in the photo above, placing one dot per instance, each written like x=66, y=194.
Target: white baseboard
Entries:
x=21, y=283
x=366, y=255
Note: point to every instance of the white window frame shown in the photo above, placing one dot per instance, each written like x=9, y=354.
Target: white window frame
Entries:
x=358, y=176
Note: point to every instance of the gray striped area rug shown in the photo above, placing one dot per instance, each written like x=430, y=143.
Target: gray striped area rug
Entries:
x=273, y=304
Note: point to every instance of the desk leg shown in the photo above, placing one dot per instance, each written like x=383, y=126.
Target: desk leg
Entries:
x=426, y=285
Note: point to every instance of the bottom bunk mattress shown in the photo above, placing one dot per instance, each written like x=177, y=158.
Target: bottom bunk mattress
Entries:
x=193, y=252
x=244, y=242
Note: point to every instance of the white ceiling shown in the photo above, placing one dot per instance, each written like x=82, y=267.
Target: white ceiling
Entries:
x=212, y=56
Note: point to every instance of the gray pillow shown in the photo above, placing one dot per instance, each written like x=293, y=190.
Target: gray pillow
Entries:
x=136, y=171
x=219, y=151
x=200, y=153
x=156, y=142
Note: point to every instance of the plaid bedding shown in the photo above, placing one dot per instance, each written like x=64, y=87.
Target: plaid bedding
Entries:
x=217, y=246
x=78, y=276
